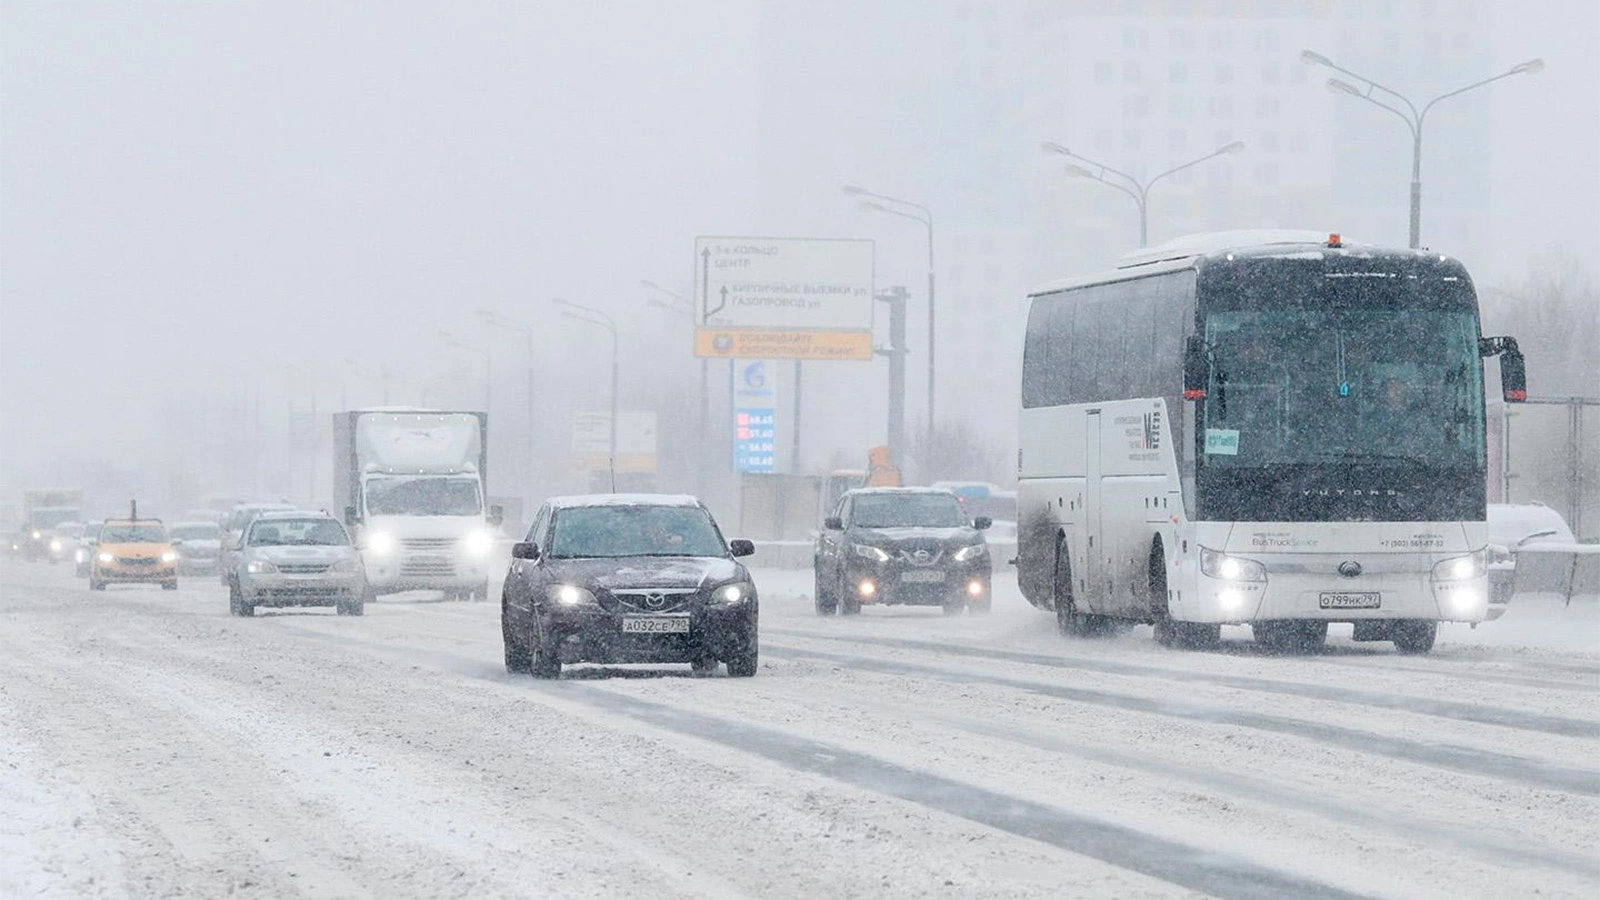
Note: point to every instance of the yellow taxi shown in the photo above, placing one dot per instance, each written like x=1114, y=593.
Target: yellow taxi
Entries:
x=134, y=551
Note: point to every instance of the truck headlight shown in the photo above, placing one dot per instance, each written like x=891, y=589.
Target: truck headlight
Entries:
x=569, y=595
x=478, y=543
x=55, y=546
x=973, y=552
x=1461, y=568
x=380, y=543
x=876, y=554
x=1230, y=568
x=732, y=594
x=260, y=567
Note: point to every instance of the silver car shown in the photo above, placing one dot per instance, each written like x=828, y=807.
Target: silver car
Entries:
x=296, y=559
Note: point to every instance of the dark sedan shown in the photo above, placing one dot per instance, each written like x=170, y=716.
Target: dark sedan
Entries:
x=628, y=579
x=902, y=546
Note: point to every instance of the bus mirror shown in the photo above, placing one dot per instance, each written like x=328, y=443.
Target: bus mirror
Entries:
x=1195, y=371
x=1513, y=376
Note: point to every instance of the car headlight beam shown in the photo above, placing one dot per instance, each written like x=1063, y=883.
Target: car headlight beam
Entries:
x=876, y=554
x=569, y=596
x=260, y=567
x=732, y=594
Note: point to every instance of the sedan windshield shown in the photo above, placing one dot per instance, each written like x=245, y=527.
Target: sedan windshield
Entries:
x=133, y=534
x=298, y=532
x=613, y=531
x=908, y=510
x=423, y=496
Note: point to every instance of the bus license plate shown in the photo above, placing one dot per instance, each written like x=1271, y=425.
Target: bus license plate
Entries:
x=922, y=577
x=1346, y=600
x=655, y=624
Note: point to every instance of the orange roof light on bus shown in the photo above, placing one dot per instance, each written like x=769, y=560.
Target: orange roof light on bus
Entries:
x=1334, y=240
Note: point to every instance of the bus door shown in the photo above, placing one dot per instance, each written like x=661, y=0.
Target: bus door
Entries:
x=1093, y=549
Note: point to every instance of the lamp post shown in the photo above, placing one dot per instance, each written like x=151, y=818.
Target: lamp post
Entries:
x=676, y=302
x=461, y=343
x=1411, y=115
x=874, y=202
x=589, y=314
x=1140, y=192
x=494, y=319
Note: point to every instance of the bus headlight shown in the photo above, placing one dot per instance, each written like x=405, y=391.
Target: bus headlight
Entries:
x=1230, y=568
x=1461, y=568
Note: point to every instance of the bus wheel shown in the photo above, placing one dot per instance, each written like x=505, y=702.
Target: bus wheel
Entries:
x=1068, y=620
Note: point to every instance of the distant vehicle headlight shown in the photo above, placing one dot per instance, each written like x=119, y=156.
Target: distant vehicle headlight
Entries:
x=106, y=557
x=81, y=556
x=345, y=565
x=478, y=543
x=569, y=595
x=876, y=554
x=732, y=594
x=55, y=546
x=37, y=535
x=1460, y=568
x=260, y=567
x=1230, y=568
x=380, y=543
x=169, y=556
x=973, y=552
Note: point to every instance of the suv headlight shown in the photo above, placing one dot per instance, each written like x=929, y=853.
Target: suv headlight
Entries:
x=345, y=566
x=1461, y=568
x=732, y=594
x=569, y=595
x=1230, y=568
x=973, y=552
x=260, y=567
x=876, y=554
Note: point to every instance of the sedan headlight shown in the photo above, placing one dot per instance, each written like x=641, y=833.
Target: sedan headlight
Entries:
x=106, y=557
x=732, y=594
x=478, y=543
x=1461, y=568
x=345, y=566
x=260, y=567
x=569, y=595
x=973, y=552
x=1230, y=568
x=171, y=556
x=380, y=543
x=81, y=556
x=875, y=554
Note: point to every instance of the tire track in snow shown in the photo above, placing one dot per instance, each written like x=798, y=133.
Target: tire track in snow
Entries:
x=1444, y=756
x=1445, y=709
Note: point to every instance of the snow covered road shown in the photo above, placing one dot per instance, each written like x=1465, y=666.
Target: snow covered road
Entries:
x=155, y=747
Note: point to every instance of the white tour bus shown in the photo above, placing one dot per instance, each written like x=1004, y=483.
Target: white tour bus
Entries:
x=1258, y=427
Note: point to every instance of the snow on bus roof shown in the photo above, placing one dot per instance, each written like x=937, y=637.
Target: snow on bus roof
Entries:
x=1181, y=252
x=577, y=500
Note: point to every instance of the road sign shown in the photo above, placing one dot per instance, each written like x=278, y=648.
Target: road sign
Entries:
x=636, y=441
x=755, y=444
x=754, y=384
x=783, y=298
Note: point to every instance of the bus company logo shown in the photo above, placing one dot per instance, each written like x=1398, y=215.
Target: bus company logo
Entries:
x=1151, y=438
x=1349, y=492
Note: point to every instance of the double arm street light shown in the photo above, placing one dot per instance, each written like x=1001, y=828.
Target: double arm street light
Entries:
x=1140, y=192
x=461, y=343
x=894, y=206
x=676, y=303
x=592, y=316
x=1411, y=115
x=495, y=320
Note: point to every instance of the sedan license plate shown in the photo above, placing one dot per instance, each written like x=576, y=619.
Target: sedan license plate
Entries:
x=922, y=577
x=1347, y=600
x=655, y=624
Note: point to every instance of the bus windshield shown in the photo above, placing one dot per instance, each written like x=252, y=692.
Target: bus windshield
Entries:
x=1373, y=387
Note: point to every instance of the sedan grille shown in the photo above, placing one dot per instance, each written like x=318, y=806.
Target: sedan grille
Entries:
x=648, y=600
x=302, y=568
x=136, y=560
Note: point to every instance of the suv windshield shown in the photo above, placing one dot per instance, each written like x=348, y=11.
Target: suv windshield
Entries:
x=315, y=532
x=423, y=496
x=129, y=533
x=200, y=532
x=907, y=510
x=606, y=531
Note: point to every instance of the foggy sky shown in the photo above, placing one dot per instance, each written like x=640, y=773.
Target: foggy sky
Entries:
x=195, y=193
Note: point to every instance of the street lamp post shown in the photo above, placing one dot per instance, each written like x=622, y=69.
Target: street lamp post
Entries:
x=1411, y=115
x=677, y=303
x=589, y=314
x=1140, y=192
x=875, y=202
x=492, y=318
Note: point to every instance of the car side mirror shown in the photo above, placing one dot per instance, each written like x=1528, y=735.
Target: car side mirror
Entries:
x=982, y=523
x=741, y=547
x=525, y=550
x=833, y=523
x=497, y=515
x=1196, y=371
x=352, y=516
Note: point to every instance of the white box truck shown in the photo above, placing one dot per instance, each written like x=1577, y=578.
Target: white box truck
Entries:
x=412, y=485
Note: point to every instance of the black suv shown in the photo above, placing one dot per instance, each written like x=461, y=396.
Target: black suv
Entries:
x=902, y=546
x=640, y=578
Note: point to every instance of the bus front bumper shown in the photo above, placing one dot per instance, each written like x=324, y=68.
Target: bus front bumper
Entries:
x=1320, y=598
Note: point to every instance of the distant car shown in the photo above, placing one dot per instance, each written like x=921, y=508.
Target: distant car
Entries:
x=296, y=559
x=83, y=554
x=643, y=578
x=233, y=527
x=199, y=546
x=133, y=551
x=1512, y=527
x=63, y=541
x=911, y=546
